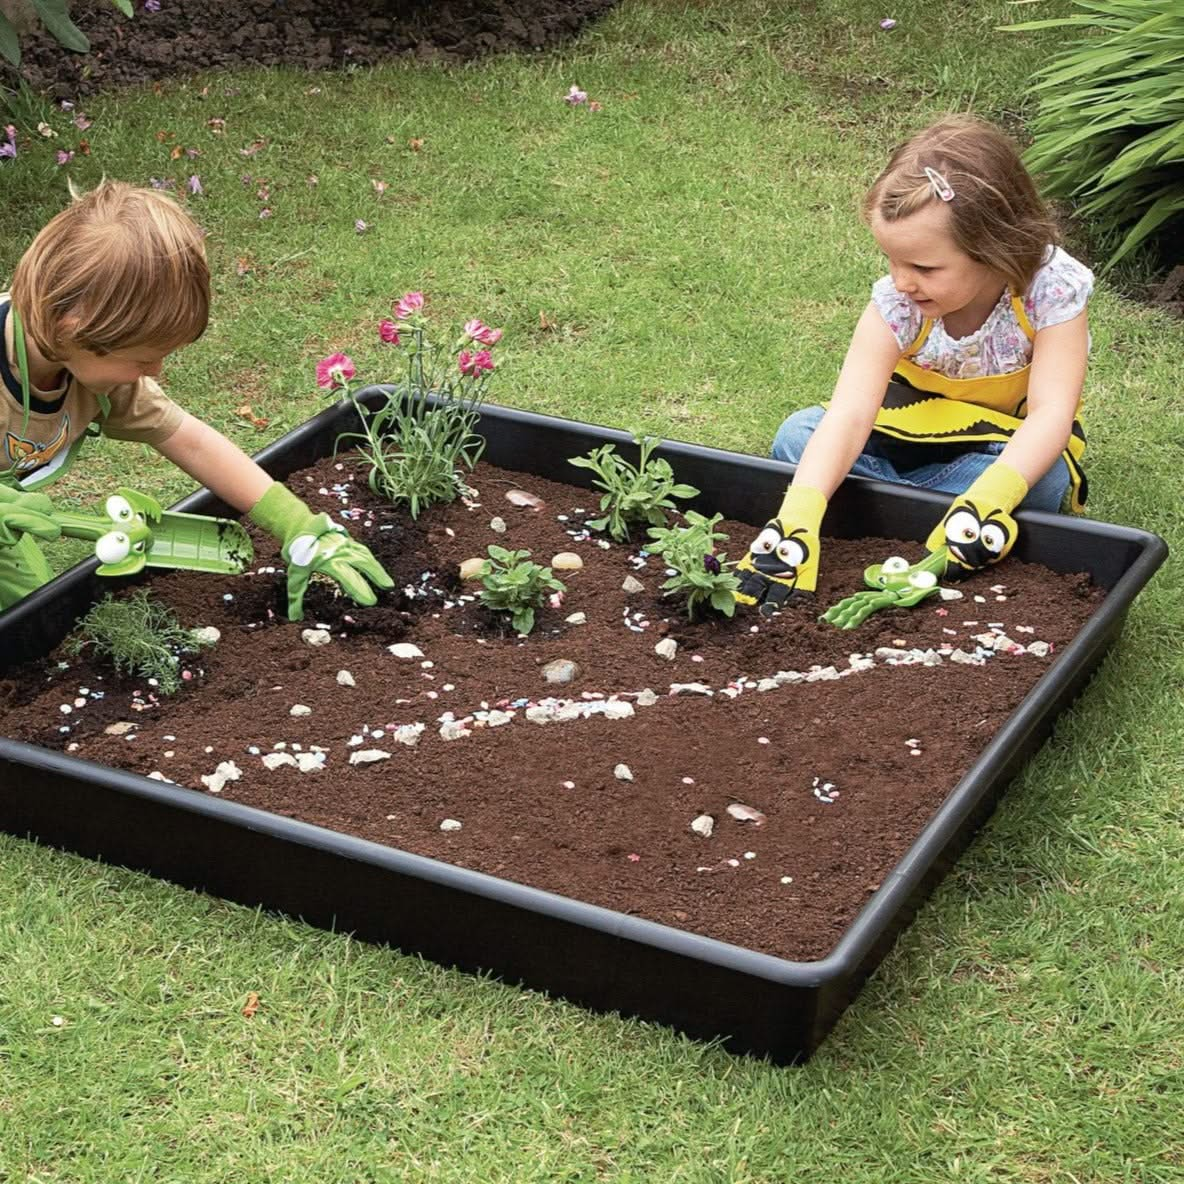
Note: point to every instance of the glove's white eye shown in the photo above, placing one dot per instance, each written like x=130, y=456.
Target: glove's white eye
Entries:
x=994, y=538
x=894, y=566
x=765, y=541
x=113, y=547
x=791, y=552
x=962, y=527
x=922, y=579
x=302, y=550
x=119, y=509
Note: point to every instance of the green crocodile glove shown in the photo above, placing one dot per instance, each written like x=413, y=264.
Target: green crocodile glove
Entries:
x=978, y=528
x=315, y=543
x=783, y=559
x=24, y=513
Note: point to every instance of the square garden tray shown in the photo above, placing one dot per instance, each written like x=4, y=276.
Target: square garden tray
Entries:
x=593, y=956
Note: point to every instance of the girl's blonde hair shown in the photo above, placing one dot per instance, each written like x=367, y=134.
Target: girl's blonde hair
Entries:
x=996, y=215
x=123, y=267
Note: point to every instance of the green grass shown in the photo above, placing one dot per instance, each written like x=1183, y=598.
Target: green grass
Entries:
x=696, y=246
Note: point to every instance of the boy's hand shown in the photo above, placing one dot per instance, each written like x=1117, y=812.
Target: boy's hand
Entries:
x=315, y=543
x=25, y=513
x=978, y=528
x=783, y=559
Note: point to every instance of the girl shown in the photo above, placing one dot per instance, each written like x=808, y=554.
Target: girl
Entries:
x=965, y=370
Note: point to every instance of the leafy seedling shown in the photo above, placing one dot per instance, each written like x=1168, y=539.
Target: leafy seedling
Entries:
x=512, y=584
x=701, y=575
x=632, y=494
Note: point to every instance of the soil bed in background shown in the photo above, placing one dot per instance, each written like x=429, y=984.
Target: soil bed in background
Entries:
x=846, y=767
x=187, y=36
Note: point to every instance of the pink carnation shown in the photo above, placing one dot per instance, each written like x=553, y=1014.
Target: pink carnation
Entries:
x=471, y=365
x=388, y=331
x=335, y=370
x=408, y=305
x=475, y=330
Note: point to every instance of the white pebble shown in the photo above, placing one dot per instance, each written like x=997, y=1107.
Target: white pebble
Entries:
x=299, y=709
x=450, y=824
x=666, y=648
x=316, y=637
x=405, y=650
x=368, y=756
x=345, y=679
x=704, y=825
x=623, y=773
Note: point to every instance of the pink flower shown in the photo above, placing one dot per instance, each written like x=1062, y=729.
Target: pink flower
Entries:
x=194, y=185
x=335, y=370
x=470, y=365
x=388, y=331
x=64, y=157
x=408, y=305
x=475, y=330
x=575, y=96
x=887, y=23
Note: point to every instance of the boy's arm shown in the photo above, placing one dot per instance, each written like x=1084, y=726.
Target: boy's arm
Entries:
x=216, y=462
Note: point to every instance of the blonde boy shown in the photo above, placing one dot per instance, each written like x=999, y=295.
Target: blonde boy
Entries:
x=108, y=289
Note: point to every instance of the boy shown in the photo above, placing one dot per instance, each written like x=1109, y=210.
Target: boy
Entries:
x=106, y=292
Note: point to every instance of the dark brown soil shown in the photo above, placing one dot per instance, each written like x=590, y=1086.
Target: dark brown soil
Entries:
x=187, y=36
x=539, y=803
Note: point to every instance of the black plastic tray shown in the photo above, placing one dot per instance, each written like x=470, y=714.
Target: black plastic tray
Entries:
x=593, y=956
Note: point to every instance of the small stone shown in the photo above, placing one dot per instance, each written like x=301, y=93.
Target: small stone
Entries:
x=408, y=734
x=345, y=679
x=666, y=648
x=704, y=825
x=118, y=729
x=949, y=594
x=471, y=569
x=310, y=762
x=367, y=756
x=454, y=729
x=316, y=637
x=632, y=586
x=623, y=773
x=577, y=619
x=1040, y=649
x=787, y=879
x=450, y=824
x=299, y=709
x=568, y=784
x=689, y=688
x=561, y=670
x=646, y=698
x=405, y=650
x=207, y=635
x=497, y=525
x=273, y=760
x=743, y=813
x=566, y=561
x=226, y=771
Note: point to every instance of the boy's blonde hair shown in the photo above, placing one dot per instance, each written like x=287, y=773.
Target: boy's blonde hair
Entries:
x=124, y=267
x=996, y=215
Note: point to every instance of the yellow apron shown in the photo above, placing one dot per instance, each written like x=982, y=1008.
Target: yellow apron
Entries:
x=922, y=406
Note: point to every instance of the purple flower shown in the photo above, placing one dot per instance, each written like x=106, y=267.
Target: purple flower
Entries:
x=575, y=96
x=7, y=149
x=66, y=105
x=711, y=564
x=64, y=157
x=10, y=133
x=194, y=185
x=360, y=226
x=151, y=5
x=887, y=23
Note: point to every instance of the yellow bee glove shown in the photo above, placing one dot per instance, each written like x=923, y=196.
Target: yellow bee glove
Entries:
x=978, y=528
x=783, y=559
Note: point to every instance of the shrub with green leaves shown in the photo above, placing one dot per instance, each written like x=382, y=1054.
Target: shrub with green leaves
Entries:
x=512, y=584
x=55, y=16
x=1110, y=131
x=701, y=573
x=139, y=635
x=633, y=494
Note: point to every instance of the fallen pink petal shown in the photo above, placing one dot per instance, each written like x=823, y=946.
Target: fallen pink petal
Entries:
x=887, y=23
x=194, y=185
x=575, y=96
x=360, y=226
x=64, y=157
x=82, y=122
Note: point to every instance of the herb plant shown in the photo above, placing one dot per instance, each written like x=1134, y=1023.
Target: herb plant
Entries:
x=417, y=451
x=139, y=635
x=516, y=586
x=632, y=494
x=701, y=574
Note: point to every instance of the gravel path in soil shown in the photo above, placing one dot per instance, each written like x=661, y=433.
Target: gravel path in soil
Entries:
x=187, y=36
x=540, y=804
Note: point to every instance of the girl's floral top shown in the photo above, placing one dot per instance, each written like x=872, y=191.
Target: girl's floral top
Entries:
x=1058, y=292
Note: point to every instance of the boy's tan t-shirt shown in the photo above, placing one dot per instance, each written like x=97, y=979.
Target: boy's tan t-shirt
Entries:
x=140, y=411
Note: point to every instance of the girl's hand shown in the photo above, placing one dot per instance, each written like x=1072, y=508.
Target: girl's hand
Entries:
x=782, y=562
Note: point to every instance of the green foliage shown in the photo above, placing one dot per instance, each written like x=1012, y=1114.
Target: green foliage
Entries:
x=139, y=635
x=632, y=494
x=513, y=585
x=415, y=450
x=1110, y=132
x=55, y=17
x=701, y=573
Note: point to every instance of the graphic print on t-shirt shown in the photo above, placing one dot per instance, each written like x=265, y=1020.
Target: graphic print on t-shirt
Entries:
x=27, y=455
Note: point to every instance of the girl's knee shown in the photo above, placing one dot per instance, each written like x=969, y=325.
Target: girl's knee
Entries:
x=793, y=435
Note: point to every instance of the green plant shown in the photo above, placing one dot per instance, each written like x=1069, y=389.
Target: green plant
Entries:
x=1110, y=131
x=700, y=573
x=638, y=493
x=55, y=16
x=415, y=449
x=511, y=584
x=139, y=635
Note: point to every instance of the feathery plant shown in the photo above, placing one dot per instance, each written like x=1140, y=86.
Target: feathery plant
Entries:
x=139, y=635
x=1110, y=130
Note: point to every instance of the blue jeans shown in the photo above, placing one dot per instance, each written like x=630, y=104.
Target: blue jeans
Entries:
x=886, y=459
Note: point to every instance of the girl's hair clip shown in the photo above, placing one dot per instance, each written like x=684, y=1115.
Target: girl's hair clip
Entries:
x=940, y=186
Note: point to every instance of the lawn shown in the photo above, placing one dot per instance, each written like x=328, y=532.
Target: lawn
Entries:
x=687, y=260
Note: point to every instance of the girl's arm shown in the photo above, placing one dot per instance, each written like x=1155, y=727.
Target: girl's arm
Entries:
x=859, y=391
x=213, y=461
x=1059, y=356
